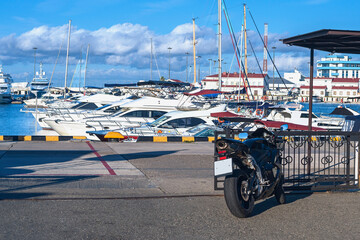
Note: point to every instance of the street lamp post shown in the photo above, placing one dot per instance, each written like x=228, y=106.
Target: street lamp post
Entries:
x=273, y=67
x=169, y=60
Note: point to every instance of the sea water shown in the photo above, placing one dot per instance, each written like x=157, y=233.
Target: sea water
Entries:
x=15, y=122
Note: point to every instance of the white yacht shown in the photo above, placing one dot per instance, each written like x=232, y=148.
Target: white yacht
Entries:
x=294, y=115
x=174, y=123
x=39, y=83
x=132, y=114
x=76, y=108
x=5, y=87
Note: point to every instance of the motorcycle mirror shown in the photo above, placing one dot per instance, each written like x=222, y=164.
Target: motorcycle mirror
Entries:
x=284, y=127
x=243, y=135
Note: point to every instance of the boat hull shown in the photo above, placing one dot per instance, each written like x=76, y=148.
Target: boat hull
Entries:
x=5, y=98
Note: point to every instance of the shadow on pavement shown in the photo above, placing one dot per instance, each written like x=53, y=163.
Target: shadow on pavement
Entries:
x=132, y=156
x=12, y=184
x=269, y=203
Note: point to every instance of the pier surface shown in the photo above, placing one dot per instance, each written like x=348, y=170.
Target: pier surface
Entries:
x=94, y=190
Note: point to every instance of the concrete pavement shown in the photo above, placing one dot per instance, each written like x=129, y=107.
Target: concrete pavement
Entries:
x=73, y=190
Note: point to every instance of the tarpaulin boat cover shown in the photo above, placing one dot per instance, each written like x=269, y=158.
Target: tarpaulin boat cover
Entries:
x=203, y=92
x=291, y=126
x=343, y=111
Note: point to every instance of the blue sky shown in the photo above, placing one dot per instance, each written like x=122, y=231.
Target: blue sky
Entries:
x=119, y=33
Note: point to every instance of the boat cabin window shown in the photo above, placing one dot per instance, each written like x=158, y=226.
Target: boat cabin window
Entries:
x=306, y=115
x=182, y=123
x=85, y=106
x=112, y=109
x=157, y=114
x=159, y=121
x=137, y=113
x=102, y=107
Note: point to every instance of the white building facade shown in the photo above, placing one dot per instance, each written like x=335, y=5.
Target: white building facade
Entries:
x=295, y=77
x=338, y=66
x=232, y=81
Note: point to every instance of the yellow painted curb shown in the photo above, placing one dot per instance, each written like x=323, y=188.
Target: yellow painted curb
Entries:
x=79, y=137
x=1, y=138
x=160, y=139
x=211, y=139
x=188, y=139
x=52, y=138
x=27, y=138
x=114, y=135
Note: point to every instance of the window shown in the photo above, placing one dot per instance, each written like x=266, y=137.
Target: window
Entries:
x=139, y=113
x=256, y=92
x=322, y=92
x=340, y=93
x=348, y=93
x=334, y=93
x=113, y=109
x=182, y=123
x=354, y=93
x=157, y=114
x=306, y=115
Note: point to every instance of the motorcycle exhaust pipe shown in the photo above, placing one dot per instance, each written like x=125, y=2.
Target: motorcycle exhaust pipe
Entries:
x=222, y=145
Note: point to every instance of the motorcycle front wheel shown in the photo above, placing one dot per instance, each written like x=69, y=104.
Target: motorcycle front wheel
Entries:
x=238, y=198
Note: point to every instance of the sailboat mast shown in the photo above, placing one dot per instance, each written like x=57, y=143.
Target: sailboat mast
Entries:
x=194, y=50
x=80, y=68
x=86, y=62
x=245, y=42
x=67, y=58
x=219, y=42
x=151, y=54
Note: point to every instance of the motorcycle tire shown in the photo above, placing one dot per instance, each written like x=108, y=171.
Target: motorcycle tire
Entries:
x=279, y=192
x=239, y=204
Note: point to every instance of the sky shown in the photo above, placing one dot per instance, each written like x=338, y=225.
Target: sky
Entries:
x=119, y=33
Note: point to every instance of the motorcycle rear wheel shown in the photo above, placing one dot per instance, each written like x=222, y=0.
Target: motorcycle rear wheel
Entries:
x=238, y=200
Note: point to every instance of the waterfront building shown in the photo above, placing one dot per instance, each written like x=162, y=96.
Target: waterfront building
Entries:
x=338, y=66
x=345, y=87
x=230, y=82
x=318, y=91
x=295, y=77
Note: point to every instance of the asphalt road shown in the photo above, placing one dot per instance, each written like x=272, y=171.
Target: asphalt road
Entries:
x=146, y=191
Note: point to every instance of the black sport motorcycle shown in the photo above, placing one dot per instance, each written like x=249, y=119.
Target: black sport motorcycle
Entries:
x=252, y=169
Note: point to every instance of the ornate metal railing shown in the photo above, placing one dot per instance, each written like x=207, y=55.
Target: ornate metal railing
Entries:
x=315, y=160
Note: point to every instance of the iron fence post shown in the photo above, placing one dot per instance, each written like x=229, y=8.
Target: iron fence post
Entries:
x=347, y=160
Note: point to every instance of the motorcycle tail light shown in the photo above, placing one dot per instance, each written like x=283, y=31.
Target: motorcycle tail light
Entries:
x=222, y=158
x=221, y=152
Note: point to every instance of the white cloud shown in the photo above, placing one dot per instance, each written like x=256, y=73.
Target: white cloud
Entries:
x=127, y=46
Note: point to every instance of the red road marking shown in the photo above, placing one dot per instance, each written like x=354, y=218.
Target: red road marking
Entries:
x=106, y=165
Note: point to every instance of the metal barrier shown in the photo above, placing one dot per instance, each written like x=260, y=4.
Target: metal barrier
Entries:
x=314, y=160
